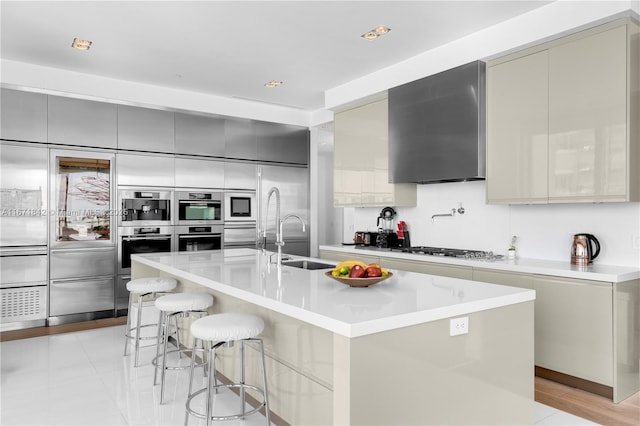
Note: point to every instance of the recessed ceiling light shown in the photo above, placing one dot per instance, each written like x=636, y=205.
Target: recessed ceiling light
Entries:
x=273, y=83
x=81, y=44
x=376, y=32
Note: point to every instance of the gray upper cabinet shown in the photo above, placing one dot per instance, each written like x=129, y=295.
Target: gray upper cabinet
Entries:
x=81, y=122
x=240, y=139
x=199, y=135
x=144, y=129
x=24, y=116
x=282, y=143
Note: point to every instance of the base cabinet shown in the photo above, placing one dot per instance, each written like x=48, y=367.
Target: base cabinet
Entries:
x=583, y=328
x=574, y=323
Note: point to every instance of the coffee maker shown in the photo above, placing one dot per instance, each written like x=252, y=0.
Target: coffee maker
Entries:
x=387, y=236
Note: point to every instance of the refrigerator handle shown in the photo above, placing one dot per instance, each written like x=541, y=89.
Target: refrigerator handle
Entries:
x=261, y=244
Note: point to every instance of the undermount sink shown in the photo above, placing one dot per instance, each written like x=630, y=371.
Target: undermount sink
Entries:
x=307, y=264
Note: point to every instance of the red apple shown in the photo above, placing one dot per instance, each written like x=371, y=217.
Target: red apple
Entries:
x=357, y=271
x=372, y=272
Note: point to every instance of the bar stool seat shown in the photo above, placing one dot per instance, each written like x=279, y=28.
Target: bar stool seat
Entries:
x=173, y=306
x=147, y=288
x=225, y=329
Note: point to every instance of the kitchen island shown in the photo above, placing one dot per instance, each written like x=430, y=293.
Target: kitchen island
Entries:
x=385, y=354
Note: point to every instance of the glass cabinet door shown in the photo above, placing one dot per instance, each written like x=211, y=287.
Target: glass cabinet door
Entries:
x=83, y=195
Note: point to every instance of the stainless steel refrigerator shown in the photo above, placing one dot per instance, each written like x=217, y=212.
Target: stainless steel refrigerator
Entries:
x=293, y=184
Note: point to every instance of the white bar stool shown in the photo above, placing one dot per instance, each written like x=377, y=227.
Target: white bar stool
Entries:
x=143, y=288
x=173, y=306
x=225, y=329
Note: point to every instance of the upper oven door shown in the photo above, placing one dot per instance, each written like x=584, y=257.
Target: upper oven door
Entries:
x=199, y=208
x=240, y=207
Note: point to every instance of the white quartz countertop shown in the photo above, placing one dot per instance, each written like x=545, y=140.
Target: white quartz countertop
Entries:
x=595, y=272
x=402, y=300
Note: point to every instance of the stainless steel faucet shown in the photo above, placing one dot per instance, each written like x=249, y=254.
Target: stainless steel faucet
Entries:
x=280, y=242
x=272, y=191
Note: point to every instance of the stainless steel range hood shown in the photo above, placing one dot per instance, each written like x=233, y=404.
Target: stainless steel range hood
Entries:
x=437, y=127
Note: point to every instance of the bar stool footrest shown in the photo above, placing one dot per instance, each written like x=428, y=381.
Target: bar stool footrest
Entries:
x=157, y=360
x=231, y=416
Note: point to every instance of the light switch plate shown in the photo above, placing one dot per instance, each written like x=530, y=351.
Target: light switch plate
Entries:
x=458, y=326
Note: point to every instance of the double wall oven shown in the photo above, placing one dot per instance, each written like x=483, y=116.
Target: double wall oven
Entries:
x=199, y=219
x=144, y=226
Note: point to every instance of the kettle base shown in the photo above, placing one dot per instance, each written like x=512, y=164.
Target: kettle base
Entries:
x=580, y=261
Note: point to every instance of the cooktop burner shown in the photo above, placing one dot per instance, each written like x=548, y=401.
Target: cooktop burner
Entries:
x=449, y=252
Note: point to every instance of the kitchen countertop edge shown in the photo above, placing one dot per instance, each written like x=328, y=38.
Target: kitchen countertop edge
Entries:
x=596, y=272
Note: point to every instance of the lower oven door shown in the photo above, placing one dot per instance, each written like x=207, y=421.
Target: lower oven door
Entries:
x=140, y=245
x=199, y=242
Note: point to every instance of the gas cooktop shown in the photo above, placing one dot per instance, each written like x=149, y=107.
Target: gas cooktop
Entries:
x=449, y=252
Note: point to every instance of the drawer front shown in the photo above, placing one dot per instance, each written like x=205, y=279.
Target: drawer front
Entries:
x=80, y=296
x=82, y=263
x=23, y=270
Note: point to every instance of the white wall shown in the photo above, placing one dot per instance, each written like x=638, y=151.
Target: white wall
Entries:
x=544, y=231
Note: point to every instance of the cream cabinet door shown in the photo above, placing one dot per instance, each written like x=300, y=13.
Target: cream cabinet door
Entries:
x=361, y=159
x=574, y=327
x=517, y=111
x=588, y=118
x=339, y=256
x=511, y=279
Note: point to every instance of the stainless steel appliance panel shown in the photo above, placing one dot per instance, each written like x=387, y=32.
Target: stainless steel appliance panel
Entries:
x=24, y=116
x=81, y=296
x=198, y=173
x=293, y=183
x=23, y=270
x=146, y=170
x=122, y=295
x=145, y=129
x=81, y=122
x=282, y=143
x=24, y=173
x=199, y=135
x=240, y=139
x=21, y=305
x=82, y=263
x=239, y=175
x=241, y=236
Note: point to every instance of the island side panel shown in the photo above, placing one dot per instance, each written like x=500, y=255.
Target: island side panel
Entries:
x=299, y=356
x=421, y=375
x=626, y=325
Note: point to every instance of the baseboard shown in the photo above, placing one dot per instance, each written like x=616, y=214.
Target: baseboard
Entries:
x=575, y=382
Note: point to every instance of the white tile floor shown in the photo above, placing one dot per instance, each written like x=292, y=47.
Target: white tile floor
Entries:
x=82, y=378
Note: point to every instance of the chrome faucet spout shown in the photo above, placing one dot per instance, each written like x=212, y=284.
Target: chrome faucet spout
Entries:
x=272, y=191
x=280, y=243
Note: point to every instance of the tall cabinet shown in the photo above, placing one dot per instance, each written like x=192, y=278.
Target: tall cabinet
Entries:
x=361, y=167
x=562, y=120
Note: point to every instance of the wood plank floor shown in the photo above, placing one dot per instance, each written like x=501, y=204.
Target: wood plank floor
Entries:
x=593, y=407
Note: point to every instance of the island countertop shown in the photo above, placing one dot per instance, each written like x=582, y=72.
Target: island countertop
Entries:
x=402, y=300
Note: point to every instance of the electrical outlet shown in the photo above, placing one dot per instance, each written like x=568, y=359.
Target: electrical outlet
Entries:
x=458, y=326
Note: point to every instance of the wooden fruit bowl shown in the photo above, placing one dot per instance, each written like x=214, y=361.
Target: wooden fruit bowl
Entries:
x=358, y=282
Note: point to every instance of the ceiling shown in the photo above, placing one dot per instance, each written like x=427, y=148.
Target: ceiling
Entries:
x=231, y=48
